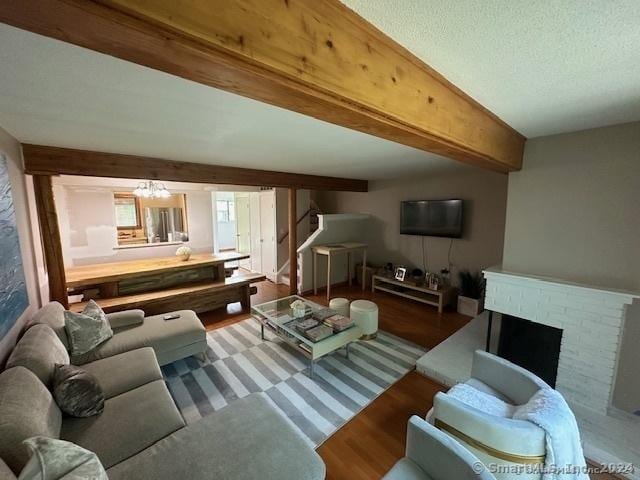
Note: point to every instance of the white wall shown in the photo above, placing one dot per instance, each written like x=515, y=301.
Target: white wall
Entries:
x=485, y=196
x=573, y=213
x=89, y=234
x=10, y=149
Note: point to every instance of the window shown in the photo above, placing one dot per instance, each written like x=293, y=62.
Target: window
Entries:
x=127, y=211
x=226, y=211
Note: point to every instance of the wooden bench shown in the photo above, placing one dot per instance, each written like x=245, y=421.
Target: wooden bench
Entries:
x=199, y=297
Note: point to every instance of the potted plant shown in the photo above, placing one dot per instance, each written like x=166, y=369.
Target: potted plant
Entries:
x=471, y=297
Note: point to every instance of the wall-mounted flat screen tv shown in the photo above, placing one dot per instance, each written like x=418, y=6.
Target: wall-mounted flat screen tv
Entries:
x=433, y=218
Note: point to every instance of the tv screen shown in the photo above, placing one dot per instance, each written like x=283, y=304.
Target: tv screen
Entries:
x=433, y=218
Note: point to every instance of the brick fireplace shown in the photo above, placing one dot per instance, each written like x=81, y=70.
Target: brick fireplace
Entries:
x=591, y=320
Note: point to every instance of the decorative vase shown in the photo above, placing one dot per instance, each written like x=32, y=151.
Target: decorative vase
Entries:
x=184, y=253
x=471, y=307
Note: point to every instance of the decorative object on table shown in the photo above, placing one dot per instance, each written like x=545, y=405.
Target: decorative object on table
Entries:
x=184, y=253
x=307, y=324
x=434, y=282
x=322, y=314
x=417, y=275
x=14, y=300
x=339, y=323
x=365, y=315
x=319, y=333
x=339, y=305
x=388, y=270
x=471, y=297
x=400, y=273
x=445, y=275
x=299, y=309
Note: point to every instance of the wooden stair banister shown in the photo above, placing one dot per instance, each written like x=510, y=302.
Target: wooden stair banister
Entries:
x=286, y=234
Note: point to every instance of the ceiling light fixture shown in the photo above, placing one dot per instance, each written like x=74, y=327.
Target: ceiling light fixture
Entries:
x=151, y=189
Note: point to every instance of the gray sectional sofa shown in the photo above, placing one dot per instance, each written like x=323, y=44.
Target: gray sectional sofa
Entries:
x=140, y=433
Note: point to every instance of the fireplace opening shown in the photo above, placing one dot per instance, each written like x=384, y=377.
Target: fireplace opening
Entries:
x=531, y=345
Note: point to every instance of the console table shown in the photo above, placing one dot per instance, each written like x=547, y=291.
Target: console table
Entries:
x=418, y=292
x=330, y=251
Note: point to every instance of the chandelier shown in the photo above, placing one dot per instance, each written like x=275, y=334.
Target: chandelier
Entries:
x=151, y=189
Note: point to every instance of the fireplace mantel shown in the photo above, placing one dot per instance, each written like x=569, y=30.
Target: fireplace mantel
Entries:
x=592, y=320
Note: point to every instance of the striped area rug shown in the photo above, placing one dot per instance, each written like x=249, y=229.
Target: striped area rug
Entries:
x=240, y=363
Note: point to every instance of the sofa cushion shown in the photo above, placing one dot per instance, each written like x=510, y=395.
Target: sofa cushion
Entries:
x=86, y=330
x=125, y=318
x=77, y=392
x=55, y=459
x=52, y=314
x=130, y=423
x=39, y=350
x=126, y=371
x=27, y=410
x=229, y=443
x=156, y=332
x=483, y=387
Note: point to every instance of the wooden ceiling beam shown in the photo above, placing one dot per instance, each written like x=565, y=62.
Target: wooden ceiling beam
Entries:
x=316, y=57
x=42, y=160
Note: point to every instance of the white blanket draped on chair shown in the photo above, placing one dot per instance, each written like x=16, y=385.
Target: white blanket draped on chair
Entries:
x=546, y=409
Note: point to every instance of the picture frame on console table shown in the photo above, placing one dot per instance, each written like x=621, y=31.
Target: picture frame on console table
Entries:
x=400, y=274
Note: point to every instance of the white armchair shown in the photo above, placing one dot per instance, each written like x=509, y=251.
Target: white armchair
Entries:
x=433, y=455
x=493, y=439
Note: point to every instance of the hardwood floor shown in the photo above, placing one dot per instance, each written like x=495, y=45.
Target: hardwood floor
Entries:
x=368, y=445
x=416, y=322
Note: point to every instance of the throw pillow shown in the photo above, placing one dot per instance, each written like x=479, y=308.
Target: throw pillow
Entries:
x=77, y=392
x=59, y=460
x=88, y=329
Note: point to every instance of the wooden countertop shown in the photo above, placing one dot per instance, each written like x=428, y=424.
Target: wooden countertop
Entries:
x=113, y=272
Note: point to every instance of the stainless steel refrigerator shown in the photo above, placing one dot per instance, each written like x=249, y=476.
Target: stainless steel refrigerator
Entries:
x=164, y=224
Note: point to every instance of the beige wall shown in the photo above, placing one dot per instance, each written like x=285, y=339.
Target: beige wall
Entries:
x=10, y=149
x=574, y=213
x=485, y=195
x=574, y=209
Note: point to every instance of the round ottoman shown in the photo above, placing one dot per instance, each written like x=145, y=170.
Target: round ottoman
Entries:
x=340, y=306
x=365, y=315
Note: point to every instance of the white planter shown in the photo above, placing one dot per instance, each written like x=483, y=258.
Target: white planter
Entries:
x=470, y=306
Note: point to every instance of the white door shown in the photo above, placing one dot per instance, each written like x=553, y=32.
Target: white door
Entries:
x=243, y=227
x=256, y=244
x=268, y=233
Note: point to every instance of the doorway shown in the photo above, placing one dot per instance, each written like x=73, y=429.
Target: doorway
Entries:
x=262, y=206
x=245, y=222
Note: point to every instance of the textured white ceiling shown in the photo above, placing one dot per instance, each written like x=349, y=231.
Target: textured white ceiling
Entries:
x=543, y=66
x=54, y=93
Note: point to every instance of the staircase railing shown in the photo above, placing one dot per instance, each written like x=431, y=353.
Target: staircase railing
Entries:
x=286, y=234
